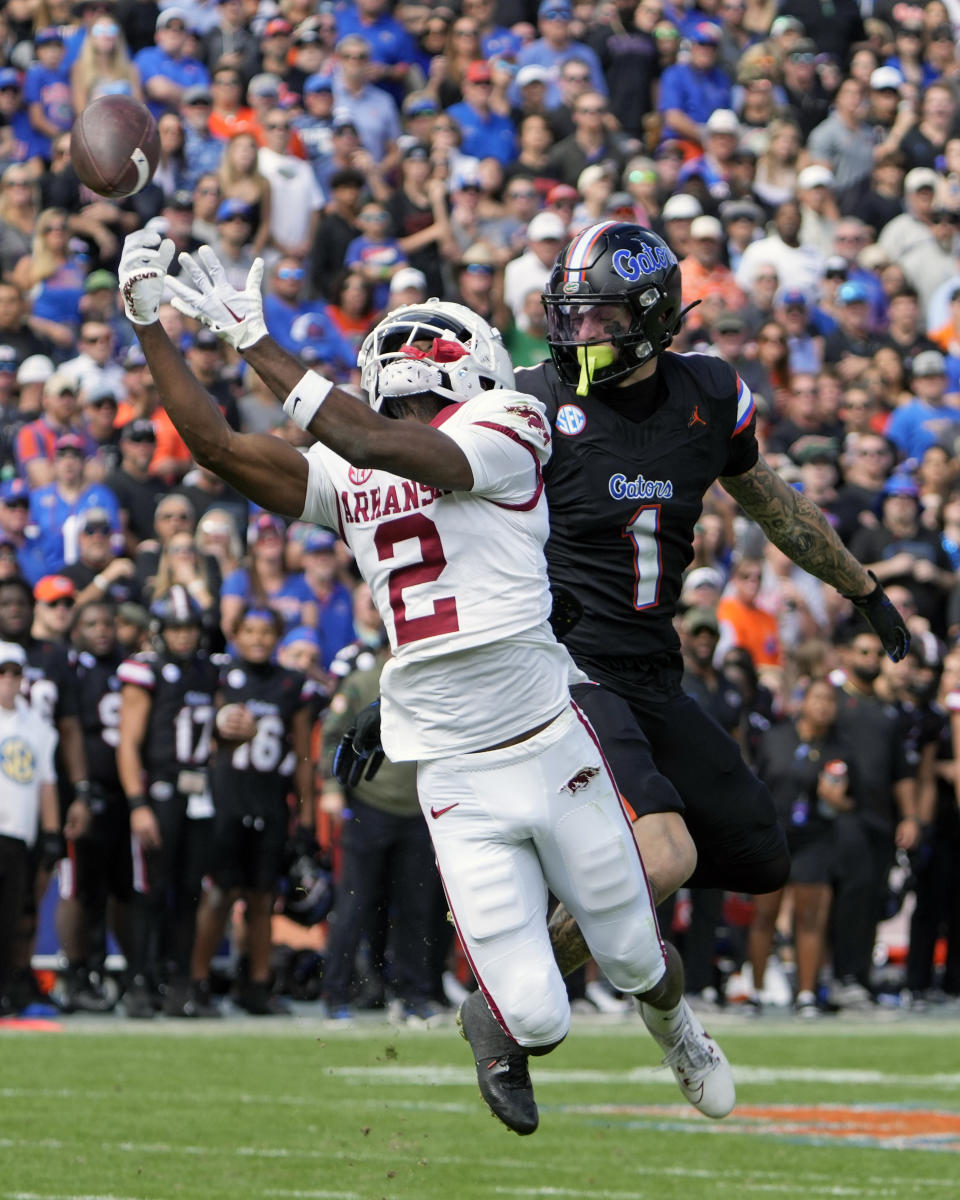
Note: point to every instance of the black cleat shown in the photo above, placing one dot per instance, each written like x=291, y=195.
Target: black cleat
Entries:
x=193, y=1002
x=501, y=1066
x=138, y=1000
x=257, y=1000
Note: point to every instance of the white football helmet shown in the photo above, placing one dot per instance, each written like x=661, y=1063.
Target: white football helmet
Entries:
x=390, y=364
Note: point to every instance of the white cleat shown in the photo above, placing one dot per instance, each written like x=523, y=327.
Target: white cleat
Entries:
x=700, y=1066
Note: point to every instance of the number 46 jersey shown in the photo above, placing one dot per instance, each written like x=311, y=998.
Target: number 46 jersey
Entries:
x=459, y=579
x=625, y=487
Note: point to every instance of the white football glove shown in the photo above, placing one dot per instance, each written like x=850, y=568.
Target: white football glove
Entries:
x=234, y=316
x=143, y=272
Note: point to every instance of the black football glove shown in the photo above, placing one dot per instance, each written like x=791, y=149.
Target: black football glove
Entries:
x=359, y=753
x=886, y=622
x=53, y=847
x=566, y=612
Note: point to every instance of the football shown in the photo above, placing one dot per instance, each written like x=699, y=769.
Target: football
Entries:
x=114, y=146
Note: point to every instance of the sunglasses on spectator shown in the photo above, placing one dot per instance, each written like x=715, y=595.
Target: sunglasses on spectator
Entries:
x=290, y=273
x=94, y=338
x=576, y=78
x=63, y=602
x=355, y=57
x=98, y=528
x=21, y=502
x=277, y=126
x=142, y=438
x=11, y=669
x=105, y=402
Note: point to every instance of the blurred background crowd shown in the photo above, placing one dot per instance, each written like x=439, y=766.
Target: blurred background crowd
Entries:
x=803, y=161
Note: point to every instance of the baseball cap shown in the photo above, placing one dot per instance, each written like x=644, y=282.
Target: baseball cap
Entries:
x=197, y=94
x=697, y=619
x=300, y=633
x=319, y=541
x=561, y=192
x=232, y=207
x=852, y=292
x=134, y=614
x=706, y=34
x=263, y=85
x=901, y=485
x=920, y=177
x=181, y=200
x=70, y=441
x=172, y=14
x=35, y=369
x=10, y=652
x=885, y=79
x=101, y=390
x=54, y=587
x=928, y=362
x=277, y=27
x=417, y=106
x=814, y=449
x=681, y=207
x=44, y=37
x=478, y=72
x=203, y=339
x=343, y=120
x=419, y=151
x=803, y=50
x=723, y=120
x=265, y=523
x=792, y=296
x=100, y=281
x=477, y=255
x=782, y=25
x=346, y=177
x=545, y=227
x=94, y=516
x=58, y=383
x=9, y=77
x=134, y=357
x=318, y=83
x=816, y=175
x=408, y=277
x=591, y=175
x=706, y=227
x=836, y=264
x=703, y=577
x=14, y=489
x=138, y=430
x=555, y=10
x=741, y=210
x=729, y=323
x=305, y=36
x=532, y=73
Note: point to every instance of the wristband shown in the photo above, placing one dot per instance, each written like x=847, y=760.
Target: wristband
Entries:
x=81, y=790
x=137, y=802
x=303, y=403
x=101, y=583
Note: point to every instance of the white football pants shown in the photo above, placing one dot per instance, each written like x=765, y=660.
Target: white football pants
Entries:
x=506, y=825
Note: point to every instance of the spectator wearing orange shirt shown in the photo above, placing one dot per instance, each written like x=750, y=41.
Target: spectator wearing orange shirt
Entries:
x=705, y=278
x=228, y=115
x=742, y=622
x=172, y=459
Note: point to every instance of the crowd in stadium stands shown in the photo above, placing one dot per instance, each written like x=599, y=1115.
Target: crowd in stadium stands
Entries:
x=802, y=160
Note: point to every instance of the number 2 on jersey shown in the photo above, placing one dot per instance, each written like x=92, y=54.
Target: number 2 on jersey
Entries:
x=643, y=531
x=443, y=619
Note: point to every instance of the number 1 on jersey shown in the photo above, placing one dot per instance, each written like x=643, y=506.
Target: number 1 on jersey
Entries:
x=643, y=531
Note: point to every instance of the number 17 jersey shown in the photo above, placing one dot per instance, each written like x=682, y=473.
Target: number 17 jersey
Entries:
x=459, y=579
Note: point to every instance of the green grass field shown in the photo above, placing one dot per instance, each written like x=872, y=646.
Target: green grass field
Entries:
x=290, y=1108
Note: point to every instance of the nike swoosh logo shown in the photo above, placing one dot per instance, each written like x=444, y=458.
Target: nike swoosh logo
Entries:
x=296, y=401
x=438, y=812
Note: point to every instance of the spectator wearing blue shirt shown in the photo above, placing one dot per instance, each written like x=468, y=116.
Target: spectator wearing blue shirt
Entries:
x=334, y=602
x=202, y=151
x=690, y=92
x=484, y=134
x=165, y=70
x=371, y=109
x=392, y=49
x=377, y=256
x=266, y=581
x=46, y=89
x=552, y=49
x=27, y=142
x=495, y=40
x=16, y=530
x=297, y=324
x=927, y=419
x=56, y=507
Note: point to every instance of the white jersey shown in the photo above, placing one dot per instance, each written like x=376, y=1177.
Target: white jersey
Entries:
x=459, y=579
x=27, y=744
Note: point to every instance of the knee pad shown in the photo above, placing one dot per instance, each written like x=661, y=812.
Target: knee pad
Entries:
x=634, y=960
x=603, y=865
x=532, y=1000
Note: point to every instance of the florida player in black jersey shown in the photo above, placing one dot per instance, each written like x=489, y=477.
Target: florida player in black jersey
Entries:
x=641, y=434
x=264, y=724
x=166, y=731
x=98, y=868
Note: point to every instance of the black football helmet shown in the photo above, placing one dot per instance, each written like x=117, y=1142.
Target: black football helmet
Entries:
x=612, y=262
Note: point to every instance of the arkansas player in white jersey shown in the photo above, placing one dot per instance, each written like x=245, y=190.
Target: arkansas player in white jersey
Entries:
x=511, y=780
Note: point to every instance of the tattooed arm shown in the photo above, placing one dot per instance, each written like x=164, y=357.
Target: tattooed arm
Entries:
x=797, y=527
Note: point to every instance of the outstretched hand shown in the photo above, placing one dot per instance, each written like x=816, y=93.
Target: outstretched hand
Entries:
x=209, y=297
x=143, y=274
x=359, y=754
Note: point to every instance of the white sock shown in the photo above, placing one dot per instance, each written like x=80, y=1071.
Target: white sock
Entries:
x=806, y=998
x=666, y=1021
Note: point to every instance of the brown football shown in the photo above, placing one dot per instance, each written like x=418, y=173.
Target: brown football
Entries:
x=114, y=146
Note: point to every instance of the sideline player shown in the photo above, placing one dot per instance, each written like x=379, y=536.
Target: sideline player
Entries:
x=442, y=504
x=640, y=435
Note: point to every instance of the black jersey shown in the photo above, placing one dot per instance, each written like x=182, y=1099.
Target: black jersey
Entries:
x=49, y=681
x=625, y=486
x=98, y=694
x=180, y=728
x=257, y=774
